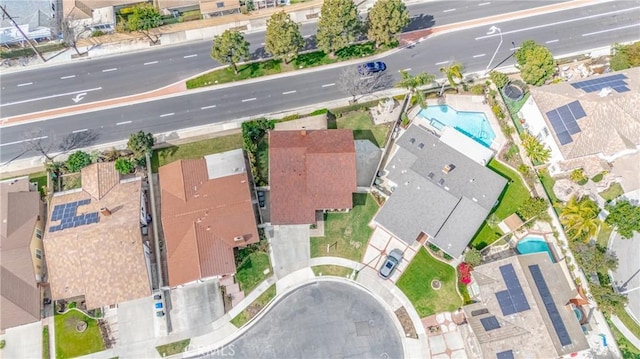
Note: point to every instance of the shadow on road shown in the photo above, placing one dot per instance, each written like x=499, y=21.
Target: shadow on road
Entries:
x=420, y=22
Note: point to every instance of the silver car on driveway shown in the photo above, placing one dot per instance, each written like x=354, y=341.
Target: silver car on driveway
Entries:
x=391, y=263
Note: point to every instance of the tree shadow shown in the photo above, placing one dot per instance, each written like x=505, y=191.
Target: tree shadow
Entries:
x=259, y=53
x=360, y=199
x=76, y=140
x=310, y=43
x=419, y=22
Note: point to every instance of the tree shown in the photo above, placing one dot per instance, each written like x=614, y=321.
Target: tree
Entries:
x=283, y=39
x=140, y=143
x=143, y=18
x=338, y=25
x=230, y=48
x=499, y=78
x=411, y=83
x=608, y=301
x=534, y=149
x=593, y=258
x=580, y=219
x=77, y=161
x=473, y=257
x=452, y=72
x=125, y=165
x=535, y=62
x=72, y=31
x=534, y=207
x=625, y=56
x=354, y=84
x=625, y=217
x=578, y=176
x=386, y=19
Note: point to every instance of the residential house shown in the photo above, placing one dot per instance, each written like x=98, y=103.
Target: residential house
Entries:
x=94, y=242
x=99, y=14
x=208, y=8
x=436, y=192
x=524, y=309
x=310, y=171
x=21, y=252
x=207, y=211
x=33, y=17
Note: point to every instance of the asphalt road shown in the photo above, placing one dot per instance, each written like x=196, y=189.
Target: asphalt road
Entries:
x=563, y=32
x=115, y=76
x=320, y=320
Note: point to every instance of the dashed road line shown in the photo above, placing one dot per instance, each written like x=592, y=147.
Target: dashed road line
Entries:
x=249, y=99
x=551, y=41
x=449, y=10
x=479, y=55
x=21, y=141
x=25, y=84
x=67, y=77
x=111, y=69
x=328, y=85
x=123, y=123
x=188, y=56
x=78, y=131
x=150, y=63
x=48, y=97
x=167, y=114
x=289, y=92
x=484, y=3
x=442, y=62
x=207, y=107
x=405, y=70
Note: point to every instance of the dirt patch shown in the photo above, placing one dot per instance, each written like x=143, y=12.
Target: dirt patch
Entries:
x=407, y=324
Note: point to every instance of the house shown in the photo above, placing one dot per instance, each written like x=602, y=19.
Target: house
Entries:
x=586, y=123
x=94, y=243
x=207, y=211
x=100, y=14
x=524, y=309
x=33, y=17
x=310, y=171
x=437, y=192
x=21, y=252
x=208, y=8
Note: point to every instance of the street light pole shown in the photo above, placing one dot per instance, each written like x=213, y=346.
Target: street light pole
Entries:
x=493, y=30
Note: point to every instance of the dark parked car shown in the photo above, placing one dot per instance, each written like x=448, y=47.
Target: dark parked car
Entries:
x=157, y=296
x=261, y=199
x=160, y=314
x=391, y=263
x=372, y=67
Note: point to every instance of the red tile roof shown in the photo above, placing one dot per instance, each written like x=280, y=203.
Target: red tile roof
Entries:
x=309, y=171
x=201, y=219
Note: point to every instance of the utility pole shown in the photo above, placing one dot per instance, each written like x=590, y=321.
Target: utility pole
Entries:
x=5, y=13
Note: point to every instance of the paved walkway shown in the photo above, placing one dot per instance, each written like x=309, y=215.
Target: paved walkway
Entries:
x=625, y=331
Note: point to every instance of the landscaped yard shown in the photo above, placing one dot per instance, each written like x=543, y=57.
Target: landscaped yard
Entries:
x=331, y=270
x=173, y=348
x=251, y=271
x=45, y=342
x=262, y=158
x=255, y=307
x=614, y=191
x=347, y=234
x=39, y=177
x=514, y=107
x=416, y=280
x=363, y=128
x=603, y=235
x=69, y=342
x=195, y=150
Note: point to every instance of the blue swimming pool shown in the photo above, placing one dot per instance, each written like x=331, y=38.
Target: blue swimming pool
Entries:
x=473, y=124
x=534, y=244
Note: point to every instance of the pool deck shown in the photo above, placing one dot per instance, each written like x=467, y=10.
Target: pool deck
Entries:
x=470, y=103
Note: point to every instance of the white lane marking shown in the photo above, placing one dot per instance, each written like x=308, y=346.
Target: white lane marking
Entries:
x=328, y=85
x=78, y=131
x=405, y=70
x=167, y=114
x=514, y=48
x=150, y=63
x=449, y=10
x=551, y=41
x=442, y=62
x=27, y=140
x=111, y=69
x=609, y=30
x=48, y=97
x=188, y=56
x=123, y=123
x=560, y=23
x=307, y=36
x=249, y=99
x=25, y=84
x=484, y=3
x=262, y=44
x=206, y=107
x=67, y=77
x=479, y=55
x=289, y=92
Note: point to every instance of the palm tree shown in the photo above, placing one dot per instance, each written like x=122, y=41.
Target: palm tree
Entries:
x=536, y=151
x=580, y=219
x=412, y=83
x=452, y=72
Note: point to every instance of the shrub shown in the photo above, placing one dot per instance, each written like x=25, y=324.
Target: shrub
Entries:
x=97, y=33
x=321, y=111
x=357, y=50
x=404, y=120
x=291, y=117
x=473, y=257
x=465, y=272
x=477, y=89
x=534, y=207
x=434, y=248
x=597, y=178
x=511, y=152
x=125, y=165
x=499, y=78
x=2, y=343
x=77, y=161
x=498, y=112
x=447, y=256
x=578, y=176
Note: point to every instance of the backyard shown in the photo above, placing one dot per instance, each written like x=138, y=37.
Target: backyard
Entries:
x=614, y=191
x=416, y=281
x=363, y=128
x=346, y=234
x=251, y=271
x=195, y=150
x=254, y=308
x=71, y=343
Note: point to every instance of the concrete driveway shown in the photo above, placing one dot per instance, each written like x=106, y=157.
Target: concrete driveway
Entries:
x=290, y=248
x=194, y=307
x=627, y=276
x=380, y=244
x=325, y=319
x=24, y=341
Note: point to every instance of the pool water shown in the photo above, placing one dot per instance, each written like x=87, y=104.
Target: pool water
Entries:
x=534, y=244
x=472, y=124
x=578, y=314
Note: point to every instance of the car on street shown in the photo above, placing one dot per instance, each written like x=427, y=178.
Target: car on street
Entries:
x=391, y=263
x=371, y=67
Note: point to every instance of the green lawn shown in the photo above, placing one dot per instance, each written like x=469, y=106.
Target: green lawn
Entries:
x=173, y=348
x=251, y=271
x=629, y=351
x=247, y=71
x=486, y=235
x=363, y=128
x=45, y=342
x=604, y=234
x=614, y=191
x=254, y=308
x=626, y=319
x=262, y=159
x=347, y=234
x=331, y=270
x=69, y=342
x=548, y=182
x=415, y=282
x=195, y=150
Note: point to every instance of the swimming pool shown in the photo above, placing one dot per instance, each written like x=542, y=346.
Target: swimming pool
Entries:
x=534, y=244
x=472, y=124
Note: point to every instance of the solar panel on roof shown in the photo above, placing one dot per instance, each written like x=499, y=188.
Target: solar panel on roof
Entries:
x=577, y=110
x=597, y=84
x=573, y=128
x=550, y=305
x=490, y=323
x=505, y=355
x=564, y=138
x=514, y=290
x=506, y=305
x=622, y=89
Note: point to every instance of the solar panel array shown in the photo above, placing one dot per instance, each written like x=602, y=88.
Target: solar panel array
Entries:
x=563, y=120
x=505, y=355
x=67, y=214
x=511, y=300
x=616, y=82
x=490, y=323
x=550, y=305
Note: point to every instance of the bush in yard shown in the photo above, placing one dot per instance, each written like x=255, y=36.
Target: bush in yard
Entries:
x=125, y=165
x=536, y=63
x=465, y=272
x=140, y=143
x=499, y=78
x=578, y=176
x=473, y=257
x=625, y=217
x=534, y=207
x=3, y=343
x=625, y=56
x=535, y=149
x=77, y=161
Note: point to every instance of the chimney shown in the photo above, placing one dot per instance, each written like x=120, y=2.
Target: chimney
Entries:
x=105, y=211
x=303, y=132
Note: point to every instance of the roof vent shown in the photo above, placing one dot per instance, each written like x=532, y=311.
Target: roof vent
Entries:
x=421, y=146
x=430, y=175
x=105, y=211
x=441, y=181
x=238, y=238
x=303, y=132
x=412, y=141
x=448, y=168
